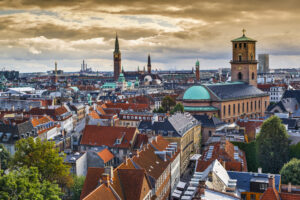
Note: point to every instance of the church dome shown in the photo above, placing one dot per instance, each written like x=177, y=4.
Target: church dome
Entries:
x=196, y=93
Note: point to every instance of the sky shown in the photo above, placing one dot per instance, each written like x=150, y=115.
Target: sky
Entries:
x=36, y=33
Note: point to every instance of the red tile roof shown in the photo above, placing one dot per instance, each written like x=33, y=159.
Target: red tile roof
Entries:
x=94, y=135
x=101, y=193
x=91, y=181
x=223, y=153
x=127, y=106
x=289, y=196
x=132, y=182
x=41, y=120
x=270, y=194
x=105, y=155
x=93, y=114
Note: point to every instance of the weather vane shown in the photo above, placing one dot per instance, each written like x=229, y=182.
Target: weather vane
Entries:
x=243, y=31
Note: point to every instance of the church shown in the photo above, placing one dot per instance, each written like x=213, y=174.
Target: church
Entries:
x=230, y=101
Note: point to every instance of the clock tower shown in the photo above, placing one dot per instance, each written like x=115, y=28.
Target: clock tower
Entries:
x=117, y=59
x=244, y=63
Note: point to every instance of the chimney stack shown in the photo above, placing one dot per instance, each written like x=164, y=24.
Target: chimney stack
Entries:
x=259, y=170
x=109, y=170
x=290, y=187
x=271, y=181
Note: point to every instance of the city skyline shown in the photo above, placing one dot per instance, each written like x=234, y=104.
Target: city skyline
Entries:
x=34, y=34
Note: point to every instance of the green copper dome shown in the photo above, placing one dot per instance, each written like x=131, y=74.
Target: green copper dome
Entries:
x=196, y=93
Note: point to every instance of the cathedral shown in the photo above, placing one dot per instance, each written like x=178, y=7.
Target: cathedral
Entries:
x=239, y=98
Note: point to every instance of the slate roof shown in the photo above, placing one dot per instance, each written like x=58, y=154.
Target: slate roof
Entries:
x=207, y=121
x=244, y=178
x=235, y=90
x=292, y=94
x=178, y=123
x=292, y=123
x=11, y=133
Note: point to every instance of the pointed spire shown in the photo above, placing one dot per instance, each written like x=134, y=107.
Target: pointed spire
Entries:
x=122, y=69
x=149, y=60
x=149, y=64
x=117, y=44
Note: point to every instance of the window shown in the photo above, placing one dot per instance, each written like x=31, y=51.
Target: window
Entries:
x=240, y=76
x=209, y=133
x=254, y=105
x=262, y=186
x=251, y=55
x=240, y=58
x=253, y=76
x=224, y=110
x=238, y=108
x=252, y=197
x=228, y=109
x=247, y=106
x=243, y=197
x=251, y=107
x=240, y=45
x=265, y=104
x=245, y=45
x=235, y=45
x=243, y=107
x=234, y=109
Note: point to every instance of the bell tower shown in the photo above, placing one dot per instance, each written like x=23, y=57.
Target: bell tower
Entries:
x=244, y=63
x=117, y=59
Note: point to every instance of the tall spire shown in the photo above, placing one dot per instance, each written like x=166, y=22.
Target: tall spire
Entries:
x=149, y=64
x=117, y=50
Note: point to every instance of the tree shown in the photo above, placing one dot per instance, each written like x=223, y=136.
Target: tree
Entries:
x=178, y=108
x=5, y=157
x=167, y=103
x=24, y=183
x=77, y=187
x=44, y=156
x=290, y=172
x=273, y=145
x=295, y=151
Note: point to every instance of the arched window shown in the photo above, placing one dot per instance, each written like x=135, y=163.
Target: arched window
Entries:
x=228, y=109
x=240, y=76
x=238, y=108
x=255, y=105
x=259, y=104
x=224, y=110
x=240, y=45
x=240, y=58
x=247, y=106
x=234, y=109
x=235, y=45
x=253, y=76
x=251, y=107
x=243, y=107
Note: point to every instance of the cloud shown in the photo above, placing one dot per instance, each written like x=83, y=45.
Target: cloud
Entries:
x=175, y=32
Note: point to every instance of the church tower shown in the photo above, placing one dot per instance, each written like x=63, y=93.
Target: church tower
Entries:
x=117, y=59
x=243, y=63
x=197, y=71
x=149, y=64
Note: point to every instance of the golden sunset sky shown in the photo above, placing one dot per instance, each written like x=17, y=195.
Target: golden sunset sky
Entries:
x=36, y=33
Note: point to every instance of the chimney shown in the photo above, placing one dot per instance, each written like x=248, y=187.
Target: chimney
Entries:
x=105, y=179
x=137, y=153
x=109, y=170
x=290, y=187
x=259, y=170
x=271, y=181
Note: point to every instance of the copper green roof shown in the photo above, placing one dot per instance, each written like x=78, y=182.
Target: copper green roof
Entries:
x=197, y=63
x=121, y=78
x=196, y=93
x=243, y=39
x=200, y=108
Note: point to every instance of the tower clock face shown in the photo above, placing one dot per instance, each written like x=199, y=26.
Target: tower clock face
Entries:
x=116, y=55
x=240, y=68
